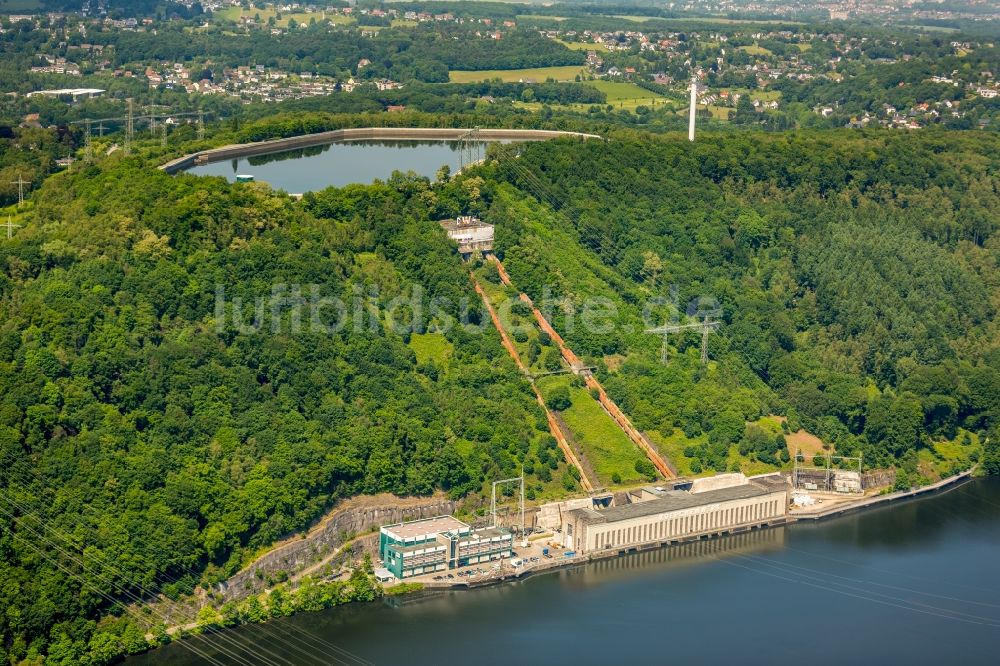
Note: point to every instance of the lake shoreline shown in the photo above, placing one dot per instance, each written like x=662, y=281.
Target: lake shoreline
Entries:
x=842, y=509
x=234, y=151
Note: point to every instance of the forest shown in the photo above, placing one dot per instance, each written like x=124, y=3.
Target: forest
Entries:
x=161, y=413
x=854, y=277
x=156, y=435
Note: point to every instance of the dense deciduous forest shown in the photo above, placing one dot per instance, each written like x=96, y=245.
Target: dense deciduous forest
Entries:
x=175, y=446
x=856, y=278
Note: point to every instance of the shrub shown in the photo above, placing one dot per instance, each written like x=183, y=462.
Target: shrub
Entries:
x=646, y=468
x=558, y=399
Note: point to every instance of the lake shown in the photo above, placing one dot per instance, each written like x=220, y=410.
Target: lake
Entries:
x=344, y=163
x=915, y=582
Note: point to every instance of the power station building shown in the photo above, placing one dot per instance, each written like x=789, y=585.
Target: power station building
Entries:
x=436, y=544
x=659, y=516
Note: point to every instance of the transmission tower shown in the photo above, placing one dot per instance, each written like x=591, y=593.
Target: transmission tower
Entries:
x=88, y=150
x=469, y=148
x=493, y=503
x=20, y=182
x=129, y=127
x=706, y=325
x=10, y=228
x=201, y=125
x=163, y=135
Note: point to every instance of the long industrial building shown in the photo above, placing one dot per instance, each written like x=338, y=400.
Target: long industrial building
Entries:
x=435, y=544
x=659, y=516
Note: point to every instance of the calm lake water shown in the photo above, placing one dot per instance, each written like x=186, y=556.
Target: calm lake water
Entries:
x=338, y=164
x=917, y=583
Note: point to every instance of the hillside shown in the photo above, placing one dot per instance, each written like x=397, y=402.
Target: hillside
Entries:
x=191, y=370
x=854, y=278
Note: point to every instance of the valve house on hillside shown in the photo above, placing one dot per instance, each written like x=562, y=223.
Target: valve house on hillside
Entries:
x=435, y=544
x=659, y=516
x=471, y=234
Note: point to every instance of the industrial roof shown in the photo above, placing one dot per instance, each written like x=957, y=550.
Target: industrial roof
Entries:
x=68, y=91
x=484, y=533
x=673, y=501
x=425, y=526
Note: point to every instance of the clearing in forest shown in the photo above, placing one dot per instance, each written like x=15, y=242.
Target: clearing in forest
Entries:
x=537, y=74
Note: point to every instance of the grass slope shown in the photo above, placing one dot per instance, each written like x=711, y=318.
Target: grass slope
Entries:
x=431, y=347
x=606, y=446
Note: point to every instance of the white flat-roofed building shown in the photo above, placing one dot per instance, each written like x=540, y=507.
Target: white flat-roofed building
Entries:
x=676, y=515
x=75, y=93
x=471, y=234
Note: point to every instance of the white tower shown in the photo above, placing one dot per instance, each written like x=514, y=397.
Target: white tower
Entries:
x=694, y=107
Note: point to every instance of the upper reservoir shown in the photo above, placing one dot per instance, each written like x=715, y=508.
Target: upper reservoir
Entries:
x=914, y=582
x=338, y=164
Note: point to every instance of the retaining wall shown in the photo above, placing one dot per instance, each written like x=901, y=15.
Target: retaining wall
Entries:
x=331, y=534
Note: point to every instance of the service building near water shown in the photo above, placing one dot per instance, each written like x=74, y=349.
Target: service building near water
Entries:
x=436, y=544
x=471, y=234
x=721, y=504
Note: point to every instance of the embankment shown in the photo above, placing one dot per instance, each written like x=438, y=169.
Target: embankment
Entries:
x=352, y=517
x=360, y=134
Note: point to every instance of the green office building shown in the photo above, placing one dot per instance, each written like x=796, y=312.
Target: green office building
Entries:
x=436, y=544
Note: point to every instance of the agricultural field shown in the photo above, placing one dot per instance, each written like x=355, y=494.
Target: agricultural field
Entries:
x=729, y=21
x=634, y=19
x=234, y=14
x=765, y=95
x=583, y=46
x=625, y=95
x=756, y=50
x=539, y=17
x=404, y=23
x=721, y=112
x=539, y=74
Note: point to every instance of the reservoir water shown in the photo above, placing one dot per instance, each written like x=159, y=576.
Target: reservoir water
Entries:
x=339, y=164
x=916, y=582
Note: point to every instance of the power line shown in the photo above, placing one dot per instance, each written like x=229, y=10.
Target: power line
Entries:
x=266, y=629
x=232, y=642
x=129, y=127
x=85, y=583
x=705, y=327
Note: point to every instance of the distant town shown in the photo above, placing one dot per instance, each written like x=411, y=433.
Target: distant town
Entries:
x=775, y=76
